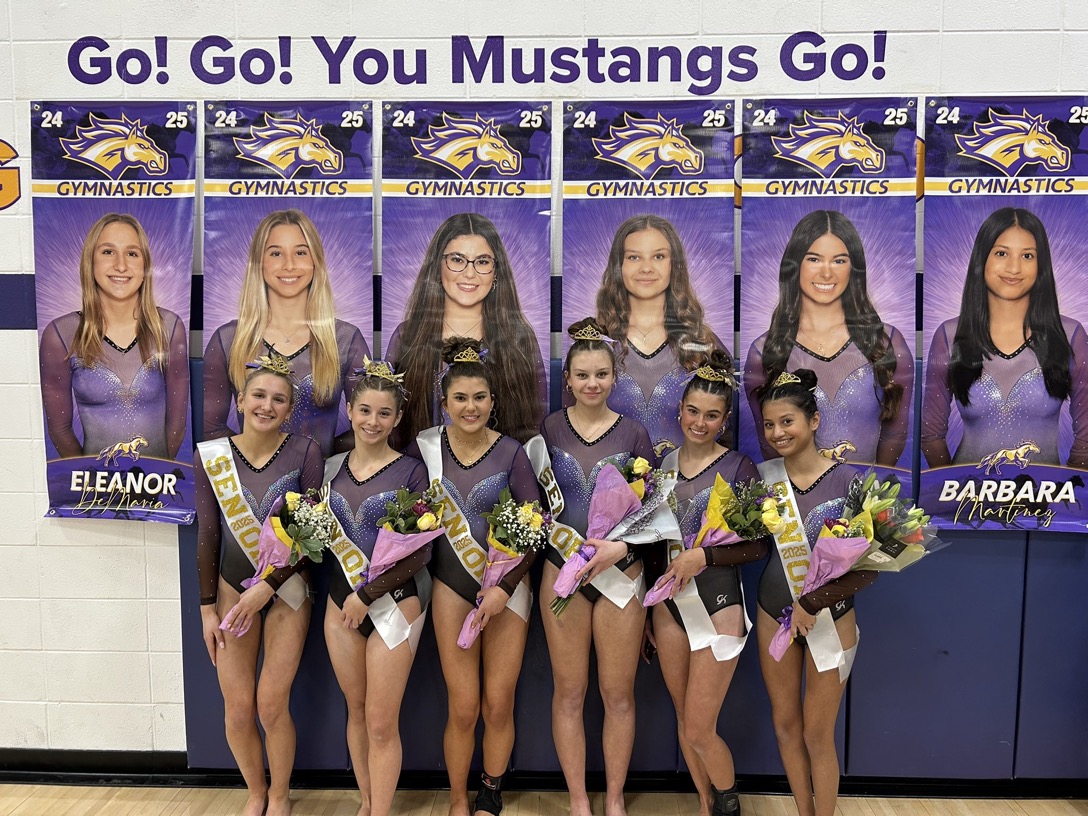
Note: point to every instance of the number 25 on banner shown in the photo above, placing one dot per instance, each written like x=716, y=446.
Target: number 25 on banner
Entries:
x=10, y=189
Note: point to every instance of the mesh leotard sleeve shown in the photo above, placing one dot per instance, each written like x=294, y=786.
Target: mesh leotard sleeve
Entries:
x=56, y=377
x=177, y=388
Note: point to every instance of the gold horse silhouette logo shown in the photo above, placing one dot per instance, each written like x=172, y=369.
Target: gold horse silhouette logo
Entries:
x=1019, y=456
x=1012, y=141
x=827, y=143
x=130, y=450
x=464, y=146
x=837, y=453
x=647, y=145
x=114, y=146
x=288, y=144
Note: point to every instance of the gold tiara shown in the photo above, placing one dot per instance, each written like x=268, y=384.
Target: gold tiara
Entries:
x=593, y=334
x=785, y=378
x=382, y=370
x=273, y=363
x=467, y=355
x=711, y=374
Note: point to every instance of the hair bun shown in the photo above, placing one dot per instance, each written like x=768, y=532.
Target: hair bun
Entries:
x=807, y=377
x=454, y=346
x=586, y=329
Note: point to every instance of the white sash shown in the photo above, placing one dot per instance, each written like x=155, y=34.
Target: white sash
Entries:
x=612, y=583
x=794, y=555
x=472, y=556
x=388, y=620
x=242, y=522
x=697, y=621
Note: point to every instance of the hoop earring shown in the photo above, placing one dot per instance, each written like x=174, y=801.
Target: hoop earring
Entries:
x=492, y=419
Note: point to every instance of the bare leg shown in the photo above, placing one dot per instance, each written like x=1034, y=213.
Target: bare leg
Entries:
x=783, y=680
x=823, y=695
x=284, y=636
x=461, y=669
x=617, y=636
x=568, y=644
x=347, y=652
x=236, y=665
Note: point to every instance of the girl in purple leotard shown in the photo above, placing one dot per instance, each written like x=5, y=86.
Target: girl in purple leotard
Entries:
x=286, y=307
x=470, y=464
x=372, y=665
x=1010, y=359
x=701, y=630
x=123, y=360
x=646, y=303
x=237, y=481
x=581, y=440
x=805, y=723
x=824, y=321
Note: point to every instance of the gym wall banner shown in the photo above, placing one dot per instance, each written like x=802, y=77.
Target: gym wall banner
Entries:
x=301, y=170
x=648, y=243
x=828, y=269
x=1005, y=401
x=450, y=171
x=113, y=196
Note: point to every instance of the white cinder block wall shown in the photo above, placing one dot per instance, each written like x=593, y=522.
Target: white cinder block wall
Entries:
x=89, y=613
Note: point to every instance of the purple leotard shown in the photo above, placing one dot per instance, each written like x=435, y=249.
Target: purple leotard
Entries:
x=307, y=417
x=297, y=466
x=576, y=464
x=1009, y=404
x=648, y=388
x=118, y=398
x=719, y=584
x=475, y=490
x=822, y=501
x=392, y=354
x=847, y=398
x=358, y=506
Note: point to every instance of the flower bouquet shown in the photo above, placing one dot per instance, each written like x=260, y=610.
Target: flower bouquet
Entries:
x=877, y=531
x=411, y=521
x=299, y=525
x=629, y=504
x=514, y=529
x=744, y=514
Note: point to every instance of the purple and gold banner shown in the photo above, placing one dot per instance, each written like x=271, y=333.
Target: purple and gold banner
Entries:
x=648, y=243
x=466, y=224
x=113, y=192
x=828, y=270
x=1005, y=402
x=288, y=242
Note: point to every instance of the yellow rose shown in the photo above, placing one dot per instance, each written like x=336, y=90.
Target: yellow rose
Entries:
x=769, y=504
x=771, y=520
x=321, y=508
x=639, y=487
x=536, y=521
x=292, y=500
x=525, y=514
x=428, y=521
x=640, y=466
x=838, y=530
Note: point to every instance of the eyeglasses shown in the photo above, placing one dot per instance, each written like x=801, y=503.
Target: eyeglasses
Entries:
x=457, y=263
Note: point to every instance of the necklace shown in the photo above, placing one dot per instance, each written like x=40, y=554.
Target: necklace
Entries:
x=646, y=334
x=819, y=347
x=469, y=454
x=591, y=433
x=468, y=333
x=286, y=337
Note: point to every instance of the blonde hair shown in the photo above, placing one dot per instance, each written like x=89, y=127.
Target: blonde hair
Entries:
x=150, y=330
x=253, y=311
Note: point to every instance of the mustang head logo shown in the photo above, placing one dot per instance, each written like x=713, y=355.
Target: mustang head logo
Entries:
x=1019, y=456
x=839, y=451
x=465, y=145
x=647, y=145
x=130, y=450
x=1010, y=141
x=826, y=143
x=113, y=146
x=287, y=145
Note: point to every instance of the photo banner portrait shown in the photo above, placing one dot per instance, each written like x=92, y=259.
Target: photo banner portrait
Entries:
x=1005, y=399
x=114, y=186
x=648, y=243
x=828, y=270
x=313, y=158
x=442, y=164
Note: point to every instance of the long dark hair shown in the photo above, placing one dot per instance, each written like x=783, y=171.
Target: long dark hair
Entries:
x=507, y=334
x=1042, y=324
x=688, y=335
x=863, y=323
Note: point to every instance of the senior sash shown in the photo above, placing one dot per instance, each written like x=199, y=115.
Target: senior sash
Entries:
x=697, y=622
x=387, y=617
x=240, y=519
x=472, y=556
x=612, y=583
x=794, y=555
